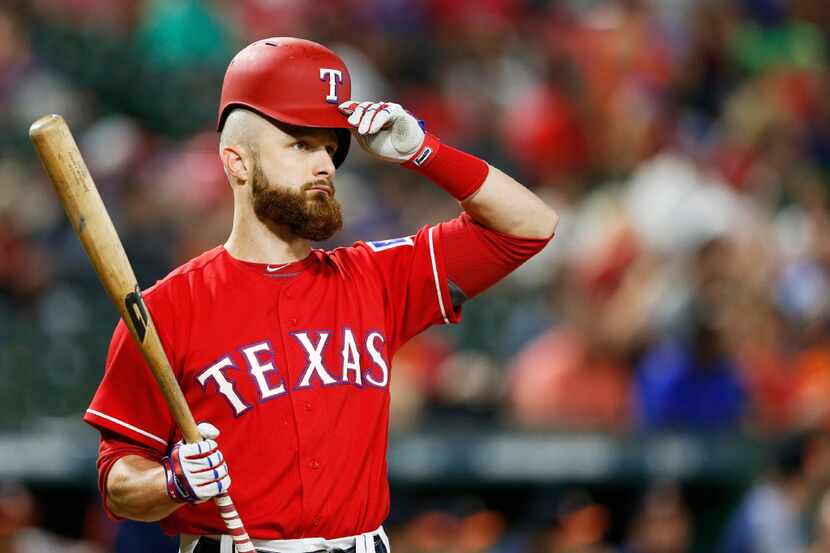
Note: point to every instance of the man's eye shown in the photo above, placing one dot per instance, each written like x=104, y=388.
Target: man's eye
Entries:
x=300, y=145
x=331, y=150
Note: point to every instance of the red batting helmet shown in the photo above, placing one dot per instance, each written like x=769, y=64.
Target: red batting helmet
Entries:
x=293, y=81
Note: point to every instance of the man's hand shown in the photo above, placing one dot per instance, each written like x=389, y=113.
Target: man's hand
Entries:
x=385, y=130
x=196, y=472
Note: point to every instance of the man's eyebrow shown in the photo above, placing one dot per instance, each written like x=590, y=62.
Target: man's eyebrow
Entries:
x=310, y=133
x=329, y=139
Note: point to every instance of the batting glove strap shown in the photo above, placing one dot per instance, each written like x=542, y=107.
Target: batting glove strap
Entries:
x=457, y=172
x=177, y=487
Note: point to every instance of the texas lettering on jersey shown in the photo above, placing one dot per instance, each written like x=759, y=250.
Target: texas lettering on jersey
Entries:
x=260, y=365
x=293, y=365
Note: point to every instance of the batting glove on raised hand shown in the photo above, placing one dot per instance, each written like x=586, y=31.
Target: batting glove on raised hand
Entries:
x=196, y=472
x=385, y=130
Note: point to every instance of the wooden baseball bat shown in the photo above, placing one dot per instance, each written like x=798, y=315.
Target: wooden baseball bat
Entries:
x=88, y=215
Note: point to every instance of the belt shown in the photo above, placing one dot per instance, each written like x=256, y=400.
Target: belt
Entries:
x=210, y=545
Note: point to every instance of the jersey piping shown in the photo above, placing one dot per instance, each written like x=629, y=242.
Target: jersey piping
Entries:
x=127, y=425
x=435, y=275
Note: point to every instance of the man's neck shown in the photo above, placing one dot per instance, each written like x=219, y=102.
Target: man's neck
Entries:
x=257, y=242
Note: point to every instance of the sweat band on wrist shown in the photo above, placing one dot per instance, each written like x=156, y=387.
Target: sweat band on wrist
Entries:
x=174, y=490
x=457, y=172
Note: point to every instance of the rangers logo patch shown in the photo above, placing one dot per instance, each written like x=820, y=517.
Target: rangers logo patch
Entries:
x=380, y=245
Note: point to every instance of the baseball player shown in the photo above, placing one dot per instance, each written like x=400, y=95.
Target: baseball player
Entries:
x=282, y=350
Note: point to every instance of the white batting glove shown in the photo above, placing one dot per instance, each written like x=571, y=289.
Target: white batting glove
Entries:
x=385, y=130
x=196, y=472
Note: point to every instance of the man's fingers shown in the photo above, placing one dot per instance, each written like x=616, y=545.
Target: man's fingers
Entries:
x=348, y=107
x=198, y=450
x=208, y=431
x=209, y=473
x=367, y=124
x=384, y=129
x=213, y=488
x=355, y=118
x=208, y=482
x=369, y=117
x=366, y=120
x=380, y=118
x=214, y=459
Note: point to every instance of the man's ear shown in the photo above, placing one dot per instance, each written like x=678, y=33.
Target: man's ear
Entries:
x=237, y=162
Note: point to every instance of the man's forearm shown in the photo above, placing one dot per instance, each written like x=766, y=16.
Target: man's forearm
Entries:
x=136, y=489
x=504, y=205
x=493, y=199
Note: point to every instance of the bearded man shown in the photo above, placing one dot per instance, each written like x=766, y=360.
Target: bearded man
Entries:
x=286, y=348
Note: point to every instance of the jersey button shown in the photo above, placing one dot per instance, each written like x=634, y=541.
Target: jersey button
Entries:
x=316, y=521
x=314, y=464
x=308, y=406
x=292, y=322
x=289, y=295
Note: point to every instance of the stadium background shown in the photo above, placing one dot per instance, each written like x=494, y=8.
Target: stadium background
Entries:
x=655, y=381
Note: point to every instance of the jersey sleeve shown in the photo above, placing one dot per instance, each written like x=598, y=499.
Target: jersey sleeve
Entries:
x=128, y=402
x=428, y=276
x=477, y=257
x=414, y=280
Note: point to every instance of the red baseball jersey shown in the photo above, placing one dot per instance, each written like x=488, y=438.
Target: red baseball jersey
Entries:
x=292, y=363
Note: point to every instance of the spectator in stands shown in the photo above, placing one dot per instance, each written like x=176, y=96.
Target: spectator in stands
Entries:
x=573, y=376
x=692, y=383
x=19, y=532
x=580, y=526
x=662, y=524
x=812, y=378
x=821, y=540
x=774, y=514
x=766, y=354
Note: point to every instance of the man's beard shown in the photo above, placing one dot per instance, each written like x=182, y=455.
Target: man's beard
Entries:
x=313, y=217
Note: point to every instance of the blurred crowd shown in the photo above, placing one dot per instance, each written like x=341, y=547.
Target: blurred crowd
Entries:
x=685, y=144
x=786, y=510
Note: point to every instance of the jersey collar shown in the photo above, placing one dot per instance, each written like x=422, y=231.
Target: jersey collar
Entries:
x=273, y=270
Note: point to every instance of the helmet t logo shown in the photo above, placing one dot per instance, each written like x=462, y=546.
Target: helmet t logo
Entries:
x=335, y=77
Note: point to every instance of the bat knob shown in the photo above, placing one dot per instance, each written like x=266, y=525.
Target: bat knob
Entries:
x=45, y=124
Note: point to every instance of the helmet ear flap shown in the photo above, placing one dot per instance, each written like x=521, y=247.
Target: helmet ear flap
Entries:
x=344, y=139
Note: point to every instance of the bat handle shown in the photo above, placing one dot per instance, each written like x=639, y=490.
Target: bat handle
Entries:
x=227, y=511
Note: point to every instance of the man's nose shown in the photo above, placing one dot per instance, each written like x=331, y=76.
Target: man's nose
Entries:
x=323, y=164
